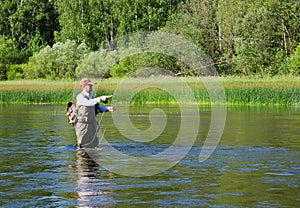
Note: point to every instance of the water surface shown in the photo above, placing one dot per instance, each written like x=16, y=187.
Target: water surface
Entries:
x=256, y=164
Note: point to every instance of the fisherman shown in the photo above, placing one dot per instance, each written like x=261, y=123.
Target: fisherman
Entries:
x=87, y=126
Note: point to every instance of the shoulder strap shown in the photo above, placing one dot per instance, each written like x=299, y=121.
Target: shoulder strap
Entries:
x=71, y=113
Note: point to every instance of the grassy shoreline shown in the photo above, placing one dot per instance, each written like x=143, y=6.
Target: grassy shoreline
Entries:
x=282, y=90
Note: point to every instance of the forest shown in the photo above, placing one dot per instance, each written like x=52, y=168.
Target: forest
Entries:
x=51, y=39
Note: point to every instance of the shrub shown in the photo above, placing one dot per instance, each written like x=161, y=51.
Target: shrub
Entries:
x=294, y=62
x=15, y=71
x=97, y=64
x=57, y=62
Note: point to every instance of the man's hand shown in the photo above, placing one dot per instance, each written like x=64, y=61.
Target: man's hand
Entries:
x=104, y=98
x=110, y=108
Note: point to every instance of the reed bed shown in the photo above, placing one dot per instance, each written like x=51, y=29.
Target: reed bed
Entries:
x=246, y=91
x=264, y=95
x=35, y=96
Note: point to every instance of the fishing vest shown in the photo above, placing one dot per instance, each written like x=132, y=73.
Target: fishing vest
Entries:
x=86, y=114
x=81, y=114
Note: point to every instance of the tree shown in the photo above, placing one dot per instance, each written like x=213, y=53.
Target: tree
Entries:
x=23, y=20
x=7, y=56
x=71, y=19
x=28, y=26
x=197, y=21
x=241, y=37
x=96, y=22
x=265, y=36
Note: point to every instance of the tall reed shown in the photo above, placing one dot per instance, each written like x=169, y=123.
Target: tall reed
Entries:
x=35, y=96
x=250, y=91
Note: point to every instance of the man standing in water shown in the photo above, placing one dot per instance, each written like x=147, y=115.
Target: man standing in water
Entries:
x=87, y=126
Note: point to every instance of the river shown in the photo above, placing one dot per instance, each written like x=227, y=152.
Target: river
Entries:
x=255, y=164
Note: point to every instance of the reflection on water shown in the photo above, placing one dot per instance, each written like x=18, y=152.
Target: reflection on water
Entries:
x=257, y=162
x=91, y=187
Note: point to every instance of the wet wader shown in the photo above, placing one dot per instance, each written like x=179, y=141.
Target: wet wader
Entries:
x=86, y=127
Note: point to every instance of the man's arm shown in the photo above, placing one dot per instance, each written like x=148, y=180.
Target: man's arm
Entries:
x=82, y=100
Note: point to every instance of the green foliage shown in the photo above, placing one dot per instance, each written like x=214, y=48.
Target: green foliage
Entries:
x=145, y=65
x=124, y=68
x=7, y=56
x=294, y=62
x=240, y=37
x=15, y=71
x=27, y=26
x=23, y=21
x=96, y=22
x=196, y=21
x=259, y=51
x=97, y=64
x=57, y=62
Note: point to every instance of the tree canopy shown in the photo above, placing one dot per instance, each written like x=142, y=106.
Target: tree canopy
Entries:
x=50, y=38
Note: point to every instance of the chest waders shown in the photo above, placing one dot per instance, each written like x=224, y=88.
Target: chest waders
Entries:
x=86, y=127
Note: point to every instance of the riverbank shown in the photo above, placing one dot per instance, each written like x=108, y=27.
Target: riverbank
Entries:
x=282, y=90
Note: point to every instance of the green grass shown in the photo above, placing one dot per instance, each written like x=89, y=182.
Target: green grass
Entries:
x=245, y=90
x=35, y=96
x=264, y=95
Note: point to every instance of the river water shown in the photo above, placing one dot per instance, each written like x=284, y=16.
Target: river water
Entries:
x=256, y=163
